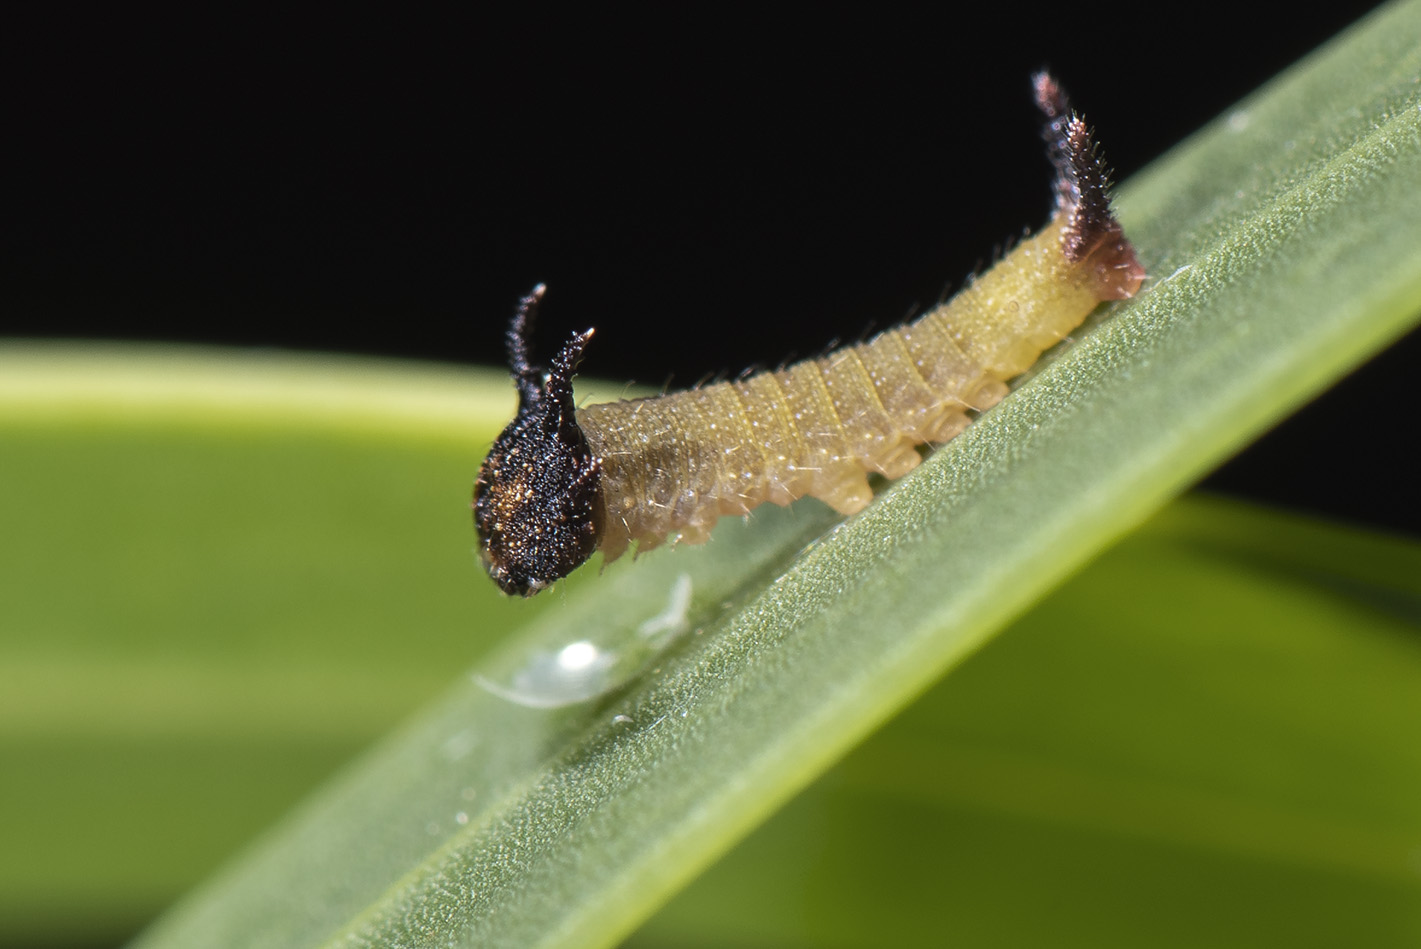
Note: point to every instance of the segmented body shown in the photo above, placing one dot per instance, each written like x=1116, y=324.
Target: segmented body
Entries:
x=673, y=464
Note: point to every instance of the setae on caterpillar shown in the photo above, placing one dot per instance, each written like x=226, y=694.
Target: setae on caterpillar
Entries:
x=561, y=482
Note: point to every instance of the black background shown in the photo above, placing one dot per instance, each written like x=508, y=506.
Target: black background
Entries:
x=710, y=191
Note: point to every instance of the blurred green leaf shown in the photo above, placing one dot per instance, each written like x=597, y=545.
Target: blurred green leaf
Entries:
x=207, y=556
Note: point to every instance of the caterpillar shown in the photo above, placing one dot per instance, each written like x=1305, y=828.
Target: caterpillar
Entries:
x=562, y=482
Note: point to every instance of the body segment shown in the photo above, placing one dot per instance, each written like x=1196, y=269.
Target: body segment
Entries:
x=676, y=463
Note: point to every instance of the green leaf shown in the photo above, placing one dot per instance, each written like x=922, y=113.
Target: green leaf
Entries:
x=1205, y=738
x=558, y=796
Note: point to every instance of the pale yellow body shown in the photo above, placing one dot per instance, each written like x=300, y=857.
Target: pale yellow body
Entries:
x=674, y=464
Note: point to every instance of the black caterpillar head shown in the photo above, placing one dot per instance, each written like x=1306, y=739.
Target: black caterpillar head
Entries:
x=538, y=498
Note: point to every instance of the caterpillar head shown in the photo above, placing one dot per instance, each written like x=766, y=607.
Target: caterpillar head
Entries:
x=538, y=498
